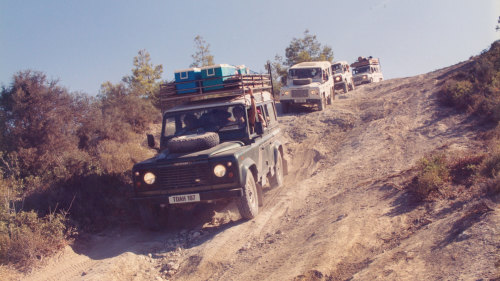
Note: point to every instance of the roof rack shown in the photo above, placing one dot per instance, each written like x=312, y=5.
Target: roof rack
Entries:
x=174, y=93
x=362, y=61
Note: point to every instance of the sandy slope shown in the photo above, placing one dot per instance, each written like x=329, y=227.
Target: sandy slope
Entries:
x=341, y=214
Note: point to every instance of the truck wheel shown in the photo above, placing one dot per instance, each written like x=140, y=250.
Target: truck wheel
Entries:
x=153, y=216
x=321, y=104
x=194, y=142
x=277, y=179
x=285, y=107
x=248, y=204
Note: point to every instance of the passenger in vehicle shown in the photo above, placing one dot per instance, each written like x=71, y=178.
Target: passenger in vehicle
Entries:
x=191, y=124
x=239, y=116
x=254, y=113
x=215, y=119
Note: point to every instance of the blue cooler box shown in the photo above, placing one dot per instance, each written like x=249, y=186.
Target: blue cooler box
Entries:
x=242, y=69
x=215, y=74
x=187, y=79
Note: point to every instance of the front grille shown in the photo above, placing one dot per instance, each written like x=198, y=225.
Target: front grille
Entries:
x=192, y=175
x=300, y=93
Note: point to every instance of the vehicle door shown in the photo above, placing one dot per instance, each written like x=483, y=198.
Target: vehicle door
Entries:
x=270, y=132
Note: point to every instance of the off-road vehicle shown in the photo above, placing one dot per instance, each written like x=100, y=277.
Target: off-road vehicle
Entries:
x=211, y=149
x=342, y=76
x=308, y=83
x=367, y=70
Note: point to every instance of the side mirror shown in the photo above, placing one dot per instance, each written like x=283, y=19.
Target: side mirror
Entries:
x=259, y=128
x=151, y=140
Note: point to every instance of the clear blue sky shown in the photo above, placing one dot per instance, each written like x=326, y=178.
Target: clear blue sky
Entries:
x=84, y=43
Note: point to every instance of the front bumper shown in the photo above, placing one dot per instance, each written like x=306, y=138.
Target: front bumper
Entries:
x=160, y=197
x=301, y=101
x=360, y=80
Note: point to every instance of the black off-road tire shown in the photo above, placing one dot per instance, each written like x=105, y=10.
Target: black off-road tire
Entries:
x=321, y=104
x=153, y=217
x=285, y=107
x=191, y=143
x=277, y=179
x=248, y=203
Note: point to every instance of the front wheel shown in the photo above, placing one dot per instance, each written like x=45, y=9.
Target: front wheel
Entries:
x=285, y=107
x=248, y=204
x=321, y=104
x=153, y=216
x=345, y=87
x=277, y=179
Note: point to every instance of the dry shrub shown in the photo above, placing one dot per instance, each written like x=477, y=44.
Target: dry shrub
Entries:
x=457, y=93
x=25, y=237
x=433, y=174
x=116, y=157
x=477, y=89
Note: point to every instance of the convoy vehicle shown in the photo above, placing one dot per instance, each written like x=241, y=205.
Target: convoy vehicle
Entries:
x=342, y=76
x=367, y=70
x=308, y=83
x=214, y=145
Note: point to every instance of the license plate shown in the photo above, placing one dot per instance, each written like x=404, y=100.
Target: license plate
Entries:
x=300, y=101
x=177, y=199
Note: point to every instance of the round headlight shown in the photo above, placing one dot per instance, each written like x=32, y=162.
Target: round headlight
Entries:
x=337, y=78
x=220, y=171
x=365, y=77
x=285, y=93
x=314, y=92
x=149, y=178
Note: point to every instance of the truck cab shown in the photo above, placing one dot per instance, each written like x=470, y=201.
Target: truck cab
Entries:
x=308, y=83
x=342, y=76
x=216, y=145
x=367, y=70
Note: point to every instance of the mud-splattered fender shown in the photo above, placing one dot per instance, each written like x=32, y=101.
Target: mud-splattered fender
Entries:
x=249, y=166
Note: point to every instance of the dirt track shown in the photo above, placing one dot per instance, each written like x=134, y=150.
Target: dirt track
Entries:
x=341, y=214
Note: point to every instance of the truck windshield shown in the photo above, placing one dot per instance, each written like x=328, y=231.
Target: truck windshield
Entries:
x=361, y=69
x=305, y=73
x=337, y=68
x=229, y=122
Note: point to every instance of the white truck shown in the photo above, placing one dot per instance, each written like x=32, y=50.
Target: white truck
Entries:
x=308, y=83
x=367, y=70
x=342, y=76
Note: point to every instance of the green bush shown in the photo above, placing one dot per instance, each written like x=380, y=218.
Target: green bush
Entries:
x=26, y=237
x=477, y=89
x=433, y=174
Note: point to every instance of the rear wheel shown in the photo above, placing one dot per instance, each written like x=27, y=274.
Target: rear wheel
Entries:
x=248, y=204
x=277, y=179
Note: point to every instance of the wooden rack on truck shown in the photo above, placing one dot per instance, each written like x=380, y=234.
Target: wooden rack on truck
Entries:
x=362, y=61
x=202, y=89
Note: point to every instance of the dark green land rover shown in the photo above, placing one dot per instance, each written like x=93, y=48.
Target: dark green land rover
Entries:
x=216, y=147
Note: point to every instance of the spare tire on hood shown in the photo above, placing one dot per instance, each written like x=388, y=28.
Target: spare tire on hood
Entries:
x=194, y=142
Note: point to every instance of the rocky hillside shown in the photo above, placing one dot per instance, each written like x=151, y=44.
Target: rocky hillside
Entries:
x=344, y=212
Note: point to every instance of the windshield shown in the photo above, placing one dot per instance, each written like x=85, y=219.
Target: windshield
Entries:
x=228, y=121
x=361, y=69
x=337, y=68
x=305, y=73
